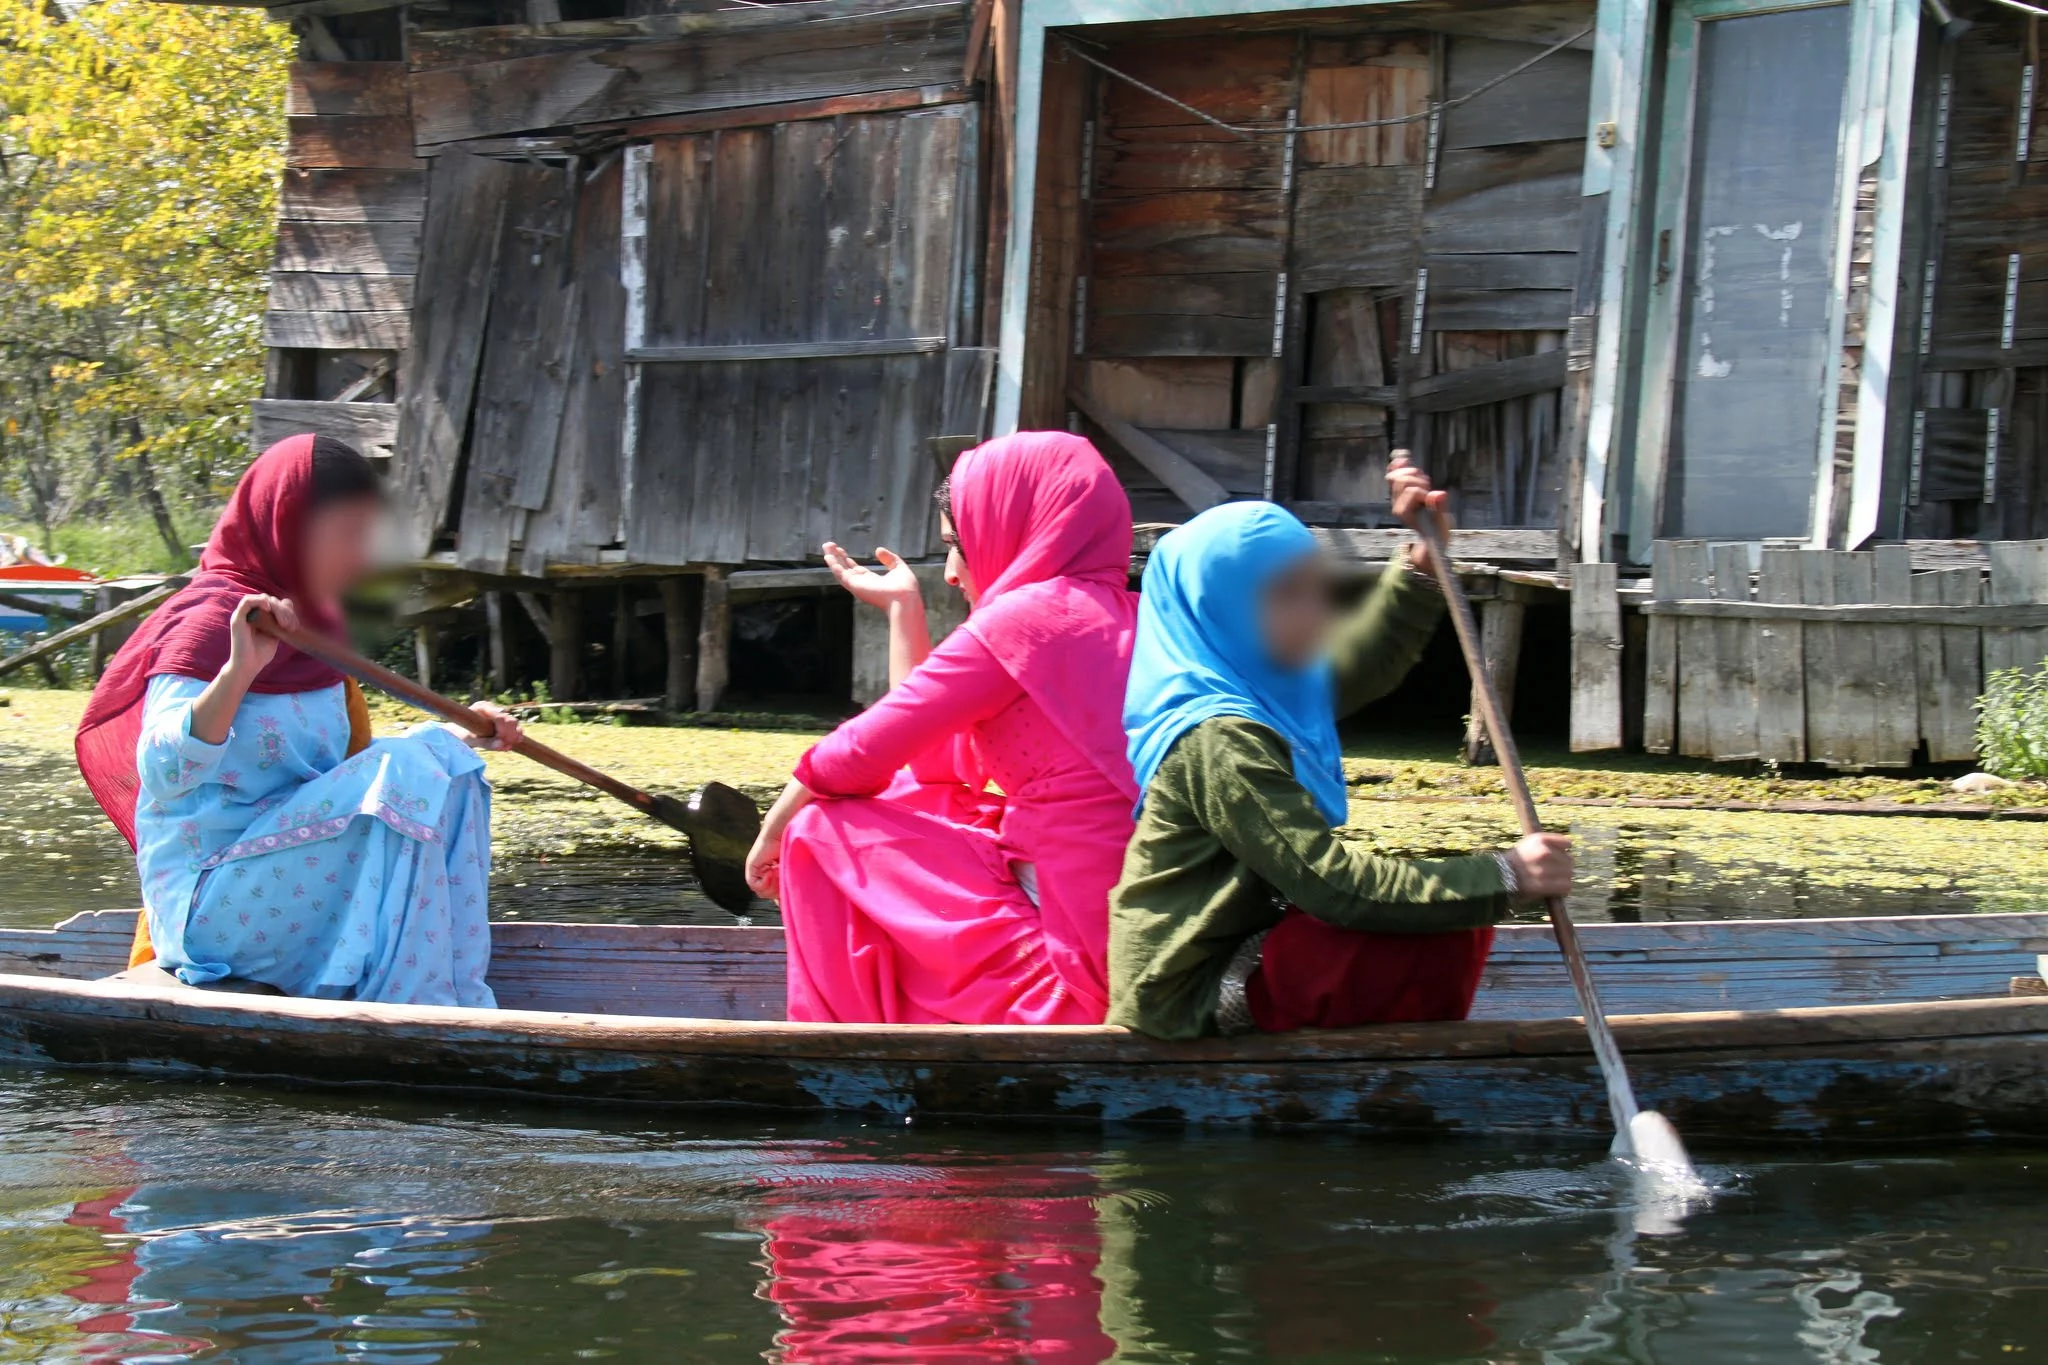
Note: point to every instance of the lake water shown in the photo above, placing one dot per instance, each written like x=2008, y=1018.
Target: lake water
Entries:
x=148, y=1221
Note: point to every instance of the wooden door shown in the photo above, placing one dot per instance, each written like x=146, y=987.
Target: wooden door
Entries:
x=793, y=294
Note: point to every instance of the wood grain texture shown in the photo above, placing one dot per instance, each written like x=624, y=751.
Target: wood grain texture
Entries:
x=338, y=331
x=1521, y=199
x=352, y=194
x=1181, y=315
x=351, y=140
x=1596, y=710
x=371, y=428
x=1543, y=104
x=336, y=248
x=1660, y=664
x=311, y=291
x=1780, y=663
x=814, y=51
x=375, y=89
x=1949, y=667
x=2019, y=573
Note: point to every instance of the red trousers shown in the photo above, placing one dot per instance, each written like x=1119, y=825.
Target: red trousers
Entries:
x=1315, y=975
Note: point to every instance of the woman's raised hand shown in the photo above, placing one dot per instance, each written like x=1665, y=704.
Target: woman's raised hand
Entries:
x=895, y=586
x=250, y=650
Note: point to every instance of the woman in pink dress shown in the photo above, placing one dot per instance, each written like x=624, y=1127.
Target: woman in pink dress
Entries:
x=910, y=892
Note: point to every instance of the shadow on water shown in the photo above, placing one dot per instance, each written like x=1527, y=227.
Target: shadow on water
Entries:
x=142, y=1222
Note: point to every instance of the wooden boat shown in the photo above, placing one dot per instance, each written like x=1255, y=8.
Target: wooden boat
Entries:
x=1871, y=1030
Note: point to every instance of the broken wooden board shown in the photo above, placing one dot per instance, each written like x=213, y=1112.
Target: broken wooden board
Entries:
x=371, y=428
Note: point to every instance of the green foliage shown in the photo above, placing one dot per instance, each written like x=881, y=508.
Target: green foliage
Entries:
x=2012, y=723
x=140, y=152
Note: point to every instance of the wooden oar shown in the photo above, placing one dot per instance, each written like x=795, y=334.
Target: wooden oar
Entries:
x=1642, y=1136
x=720, y=821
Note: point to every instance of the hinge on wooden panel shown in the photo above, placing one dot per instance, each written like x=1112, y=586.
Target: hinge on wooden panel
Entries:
x=1436, y=138
x=1272, y=456
x=2009, y=318
x=1990, y=456
x=1080, y=314
x=1087, y=161
x=1287, y=155
x=1919, y=457
x=2025, y=140
x=1279, y=311
x=1421, y=300
x=1941, y=108
x=1578, y=341
x=1927, y=307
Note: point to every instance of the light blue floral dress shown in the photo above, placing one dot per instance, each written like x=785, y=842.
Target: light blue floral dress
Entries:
x=273, y=858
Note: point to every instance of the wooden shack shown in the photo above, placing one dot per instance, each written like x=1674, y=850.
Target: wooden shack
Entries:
x=647, y=298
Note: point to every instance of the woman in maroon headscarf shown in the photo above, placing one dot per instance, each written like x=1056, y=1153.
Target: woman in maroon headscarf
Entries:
x=276, y=842
x=910, y=892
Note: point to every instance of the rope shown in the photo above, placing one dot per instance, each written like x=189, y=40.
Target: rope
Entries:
x=1248, y=133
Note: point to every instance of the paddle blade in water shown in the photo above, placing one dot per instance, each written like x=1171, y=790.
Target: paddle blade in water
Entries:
x=722, y=824
x=1660, y=1153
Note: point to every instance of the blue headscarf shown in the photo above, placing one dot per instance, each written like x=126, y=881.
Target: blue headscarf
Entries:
x=1201, y=652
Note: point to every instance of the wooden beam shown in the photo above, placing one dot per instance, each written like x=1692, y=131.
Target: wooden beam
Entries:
x=1500, y=637
x=1596, y=712
x=49, y=645
x=785, y=350
x=679, y=601
x=1183, y=477
x=537, y=612
x=2018, y=616
x=494, y=621
x=565, y=645
x=788, y=111
x=424, y=638
x=1495, y=383
x=714, y=640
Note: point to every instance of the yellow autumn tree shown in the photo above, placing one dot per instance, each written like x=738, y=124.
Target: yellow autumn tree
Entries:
x=141, y=146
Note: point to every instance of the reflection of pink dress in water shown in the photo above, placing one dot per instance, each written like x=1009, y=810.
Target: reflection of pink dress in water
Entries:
x=962, y=1272
x=900, y=889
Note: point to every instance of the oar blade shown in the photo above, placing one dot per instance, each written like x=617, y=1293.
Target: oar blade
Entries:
x=723, y=824
x=1660, y=1153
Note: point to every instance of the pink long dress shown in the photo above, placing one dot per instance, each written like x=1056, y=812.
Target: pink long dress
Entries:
x=904, y=886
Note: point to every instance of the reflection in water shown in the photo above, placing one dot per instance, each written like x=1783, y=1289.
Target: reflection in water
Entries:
x=168, y=1223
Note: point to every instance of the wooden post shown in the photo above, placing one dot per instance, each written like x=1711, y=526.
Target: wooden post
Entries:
x=1500, y=635
x=1596, y=659
x=423, y=654
x=99, y=647
x=565, y=645
x=714, y=640
x=494, y=619
x=679, y=600
x=622, y=639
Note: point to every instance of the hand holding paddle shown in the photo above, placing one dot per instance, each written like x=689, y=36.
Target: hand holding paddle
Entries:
x=720, y=821
x=1641, y=1136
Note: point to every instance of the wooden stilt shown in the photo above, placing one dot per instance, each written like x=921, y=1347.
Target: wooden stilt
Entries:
x=494, y=619
x=565, y=645
x=423, y=642
x=679, y=600
x=714, y=641
x=99, y=648
x=622, y=640
x=1596, y=659
x=1500, y=633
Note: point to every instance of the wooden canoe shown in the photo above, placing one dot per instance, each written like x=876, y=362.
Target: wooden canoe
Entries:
x=1871, y=1030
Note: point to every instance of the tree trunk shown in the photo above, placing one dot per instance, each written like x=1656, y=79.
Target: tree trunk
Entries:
x=152, y=496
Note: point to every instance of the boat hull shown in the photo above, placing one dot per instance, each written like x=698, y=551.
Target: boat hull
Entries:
x=1938, y=1073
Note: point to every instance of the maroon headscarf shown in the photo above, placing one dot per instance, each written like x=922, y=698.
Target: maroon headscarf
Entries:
x=254, y=549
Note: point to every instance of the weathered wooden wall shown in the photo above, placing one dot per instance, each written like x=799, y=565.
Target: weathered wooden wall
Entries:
x=1247, y=305
x=1973, y=360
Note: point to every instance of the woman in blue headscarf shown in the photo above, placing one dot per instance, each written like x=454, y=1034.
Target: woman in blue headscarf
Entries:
x=1240, y=908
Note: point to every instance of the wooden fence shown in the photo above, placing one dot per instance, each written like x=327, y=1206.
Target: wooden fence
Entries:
x=1847, y=658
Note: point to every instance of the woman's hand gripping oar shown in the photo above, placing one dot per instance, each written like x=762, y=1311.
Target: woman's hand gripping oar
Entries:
x=720, y=822
x=1641, y=1136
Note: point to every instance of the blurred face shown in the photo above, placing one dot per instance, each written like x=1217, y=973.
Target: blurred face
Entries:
x=339, y=548
x=1296, y=612
x=956, y=563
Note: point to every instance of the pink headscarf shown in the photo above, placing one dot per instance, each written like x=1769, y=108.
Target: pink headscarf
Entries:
x=1046, y=529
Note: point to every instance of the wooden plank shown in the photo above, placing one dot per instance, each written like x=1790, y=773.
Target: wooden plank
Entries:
x=1981, y=616
x=1732, y=686
x=784, y=112
x=1854, y=690
x=352, y=194
x=350, y=331
x=1133, y=162
x=1780, y=664
x=1352, y=94
x=1660, y=681
x=714, y=640
x=1181, y=475
x=1895, y=697
x=1519, y=200
x=464, y=225
x=523, y=378
x=2019, y=574
x=815, y=51
x=1949, y=667
x=1181, y=315
x=786, y=350
x=371, y=428
x=1500, y=634
x=1687, y=572
x=1544, y=103
x=312, y=291
x=1189, y=232
x=1196, y=394
x=349, y=248
x=1354, y=226
x=1826, y=730
x=581, y=513
x=1503, y=270
x=1492, y=383
x=360, y=88
x=1596, y=713
x=970, y=380
x=351, y=140
x=1497, y=310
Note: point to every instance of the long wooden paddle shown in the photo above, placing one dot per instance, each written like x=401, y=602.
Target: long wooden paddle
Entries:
x=720, y=821
x=1642, y=1136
